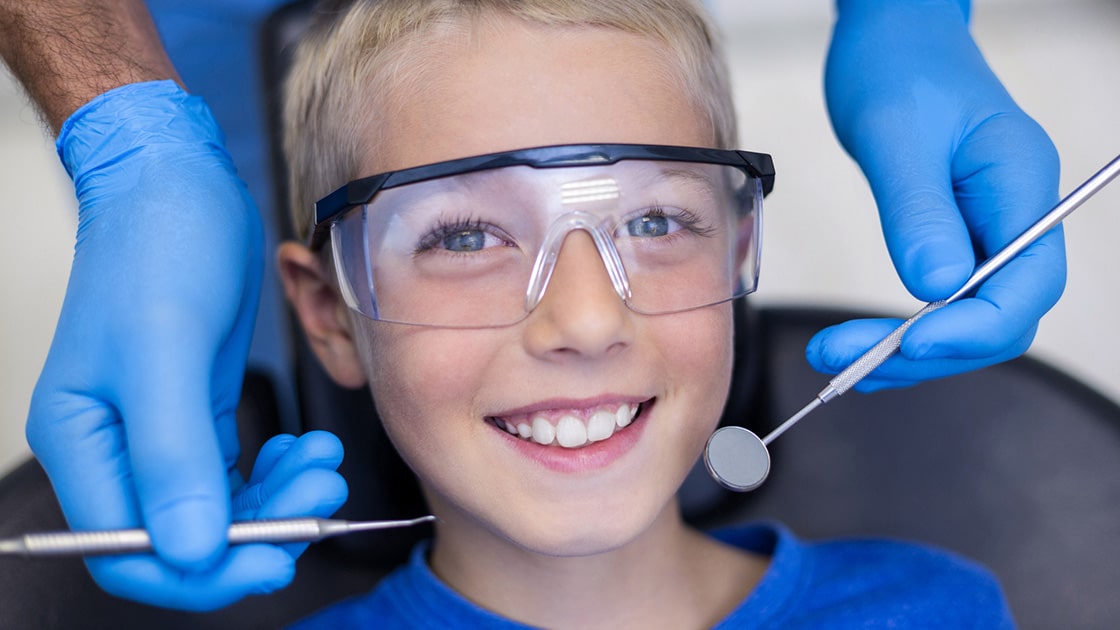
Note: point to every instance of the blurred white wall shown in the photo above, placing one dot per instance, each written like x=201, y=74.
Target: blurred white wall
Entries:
x=822, y=241
x=38, y=215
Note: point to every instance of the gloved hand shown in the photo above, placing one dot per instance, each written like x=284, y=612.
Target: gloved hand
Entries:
x=133, y=415
x=957, y=170
x=291, y=478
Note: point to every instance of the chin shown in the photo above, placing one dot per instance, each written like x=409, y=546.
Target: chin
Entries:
x=574, y=544
x=569, y=531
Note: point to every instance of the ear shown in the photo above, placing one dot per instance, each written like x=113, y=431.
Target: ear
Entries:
x=322, y=314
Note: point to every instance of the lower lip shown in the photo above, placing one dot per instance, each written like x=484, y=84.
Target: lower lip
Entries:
x=594, y=456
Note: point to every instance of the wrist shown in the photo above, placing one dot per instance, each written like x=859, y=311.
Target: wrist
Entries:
x=66, y=52
x=886, y=6
x=149, y=114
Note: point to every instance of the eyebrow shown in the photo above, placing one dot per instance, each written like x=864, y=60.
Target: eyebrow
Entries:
x=689, y=176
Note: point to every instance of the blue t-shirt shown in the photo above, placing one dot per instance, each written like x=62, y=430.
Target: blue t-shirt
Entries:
x=838, y=584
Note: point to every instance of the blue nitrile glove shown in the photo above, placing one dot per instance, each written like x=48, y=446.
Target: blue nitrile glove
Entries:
x=133, y=415
x=291, y=478
x=953, y=163
x=294, y=477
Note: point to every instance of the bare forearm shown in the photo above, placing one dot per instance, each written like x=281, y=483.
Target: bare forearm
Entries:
x=65, y=52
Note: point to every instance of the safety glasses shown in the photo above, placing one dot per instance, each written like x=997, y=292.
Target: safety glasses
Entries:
x=473, y=242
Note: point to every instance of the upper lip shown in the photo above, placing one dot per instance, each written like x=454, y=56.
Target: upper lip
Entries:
x=564, y=404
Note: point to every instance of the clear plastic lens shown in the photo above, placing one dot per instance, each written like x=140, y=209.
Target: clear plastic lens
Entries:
x=477, y=249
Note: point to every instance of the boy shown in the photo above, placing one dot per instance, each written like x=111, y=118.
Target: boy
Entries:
x=547, y=333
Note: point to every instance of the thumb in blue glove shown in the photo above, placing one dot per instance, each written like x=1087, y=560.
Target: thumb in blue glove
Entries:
x=133, y=415
x=957, y=170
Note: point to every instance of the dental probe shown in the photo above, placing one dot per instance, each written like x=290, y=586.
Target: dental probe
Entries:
x=121, y=541
x=739, y=460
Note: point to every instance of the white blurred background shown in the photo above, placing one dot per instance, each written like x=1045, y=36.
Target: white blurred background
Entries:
x=1058, y=58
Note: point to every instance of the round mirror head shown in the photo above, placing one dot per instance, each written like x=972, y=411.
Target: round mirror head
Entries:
x=737, y=459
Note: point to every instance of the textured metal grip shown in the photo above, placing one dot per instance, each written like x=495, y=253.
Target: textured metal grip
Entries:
x=87, y=543
x=138, y=540
x=878, y=353
x=276, y=531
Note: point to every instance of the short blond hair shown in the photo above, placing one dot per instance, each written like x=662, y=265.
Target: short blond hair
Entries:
x=340, y=63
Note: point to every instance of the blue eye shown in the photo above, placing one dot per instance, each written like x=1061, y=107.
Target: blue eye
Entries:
x=648, y=226
x=465, y=241
x=469, y=236
x=657, y=222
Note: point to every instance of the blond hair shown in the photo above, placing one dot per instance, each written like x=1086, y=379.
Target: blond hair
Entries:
x=340, y=63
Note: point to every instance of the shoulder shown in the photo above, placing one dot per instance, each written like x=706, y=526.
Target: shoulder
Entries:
x=410, y=597
x=870, y=583
x=378, y=608
x=907, y=579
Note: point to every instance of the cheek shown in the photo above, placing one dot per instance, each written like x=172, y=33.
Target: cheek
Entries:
x=424, y=383
x=699, y=350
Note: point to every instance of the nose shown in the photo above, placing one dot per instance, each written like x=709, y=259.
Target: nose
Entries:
x=580, y=313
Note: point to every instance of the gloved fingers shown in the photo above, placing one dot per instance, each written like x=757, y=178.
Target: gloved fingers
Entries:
x=1005, y=175
x=244, y=570
x=835, y=348
x=286, y=459
x=134, y=443
x=926, y=235
x=870, y=384
x=177, y=463
x=270, y=453
x=1003, y=316
x=1007, y=178
x=248, y=497
x=313, y=450
x=186, y=514
x=80, y=443
x=313, y=492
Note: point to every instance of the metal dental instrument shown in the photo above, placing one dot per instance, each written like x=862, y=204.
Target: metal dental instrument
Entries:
x=122, y=541
x=739, y=460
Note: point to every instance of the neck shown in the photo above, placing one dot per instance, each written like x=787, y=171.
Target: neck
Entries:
x=669, y=576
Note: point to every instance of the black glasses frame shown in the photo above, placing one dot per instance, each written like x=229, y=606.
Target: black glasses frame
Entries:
x=361, y=191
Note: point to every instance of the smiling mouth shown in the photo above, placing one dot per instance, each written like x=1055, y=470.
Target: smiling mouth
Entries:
x=570, y=429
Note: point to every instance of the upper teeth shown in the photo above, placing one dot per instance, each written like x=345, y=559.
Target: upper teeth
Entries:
x=570, y=430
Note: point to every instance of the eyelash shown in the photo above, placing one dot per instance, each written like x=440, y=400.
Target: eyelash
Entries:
x=447, y=227
x=687, y=219
x=684, y=217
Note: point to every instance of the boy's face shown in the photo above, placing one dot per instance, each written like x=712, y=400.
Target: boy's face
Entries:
x=439, y=391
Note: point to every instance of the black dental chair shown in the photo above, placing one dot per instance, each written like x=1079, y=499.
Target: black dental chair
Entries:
x=1016, y=466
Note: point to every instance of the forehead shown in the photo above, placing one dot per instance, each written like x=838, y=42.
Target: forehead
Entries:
x=504, y=84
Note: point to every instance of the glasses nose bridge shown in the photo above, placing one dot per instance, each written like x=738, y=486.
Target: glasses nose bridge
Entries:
x=549, y=254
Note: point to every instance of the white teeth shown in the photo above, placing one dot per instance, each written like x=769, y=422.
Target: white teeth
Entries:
x=625, y=415
x=601, y=426
x=570, y=432
x=543, y=431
